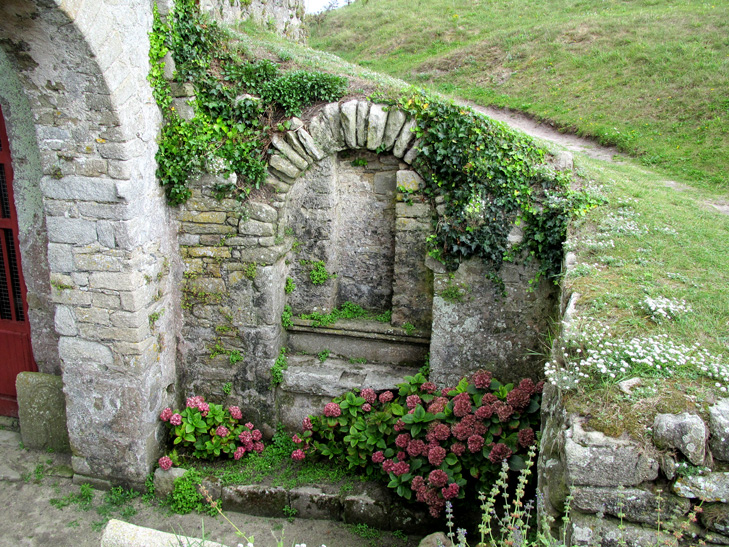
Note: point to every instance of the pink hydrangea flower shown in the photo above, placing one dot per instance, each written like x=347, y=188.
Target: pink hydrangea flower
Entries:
x=306, y=424
x=399, y=426
x=378, y=457
x=458, y=448
x=503, y=411
x=428, y=387
x=482, y=379
x=437, y=405
x=475, y=443
x=165, y=463
x=258, y=447
x=451, y=491
x=436, y=455
x=222, y=431
x=165, y=415
x=402, y=456
x=461, y=404
x=369, y=395
x=239, y=453
x=194, y=402
x=256, y=435
x=438, y=478
x=250, y=425
x=176, y=419
x=235, y=413
x=332, y=410
x=518, y=398
x=386, y=397
x=298, y=455
x=402, y=440
x=400, y=468
x=527, y=385
x=413, y=401
x=388, y=465
x=416, y=448
x=526, y=437
x=246, y=437
x=366, y=407
x=204, y=408
x=499, y=453
x=484, y=412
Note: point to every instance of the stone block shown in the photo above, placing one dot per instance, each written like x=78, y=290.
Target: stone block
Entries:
x=76, y=351
x=257, y=500
x=183, y=107
x=436, y=539
x=411, y=154
x=60, y=258
x=314, y=503
x=348, y=112
x=719, y=427
x=409, y=181
x=594, y=459
x=309, y=145
x=710, y=487
x=282, y=146
x=363, y=110
x=284, y=166
x=685, y=432
x=122, y=534
x=71, y=230
x=208, y=252
x=395, y=121
x=376, y=123
x=333, y=117
x=293, y=140
x=364, y=509
x=404, y=139
x=593, y=531
x=42, y=411
x=637, y=504
x=564, y=161
x=210, y=217
x=715, y=516
x=261, y=212
x=421, y=211
x=164, y=481
x=255, y=228
x=385, y=183
x=65, y=322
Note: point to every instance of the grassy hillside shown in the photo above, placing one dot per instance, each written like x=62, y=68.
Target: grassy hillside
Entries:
x=650, y=76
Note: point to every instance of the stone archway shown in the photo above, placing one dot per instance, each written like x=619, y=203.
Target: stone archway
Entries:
x=94, y=229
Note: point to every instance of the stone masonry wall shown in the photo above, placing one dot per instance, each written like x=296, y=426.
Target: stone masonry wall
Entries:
x=82, y=70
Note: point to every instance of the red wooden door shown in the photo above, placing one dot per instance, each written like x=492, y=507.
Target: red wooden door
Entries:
x=15, y=351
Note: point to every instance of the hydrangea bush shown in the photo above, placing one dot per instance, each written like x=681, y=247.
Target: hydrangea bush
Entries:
x=429, y=444
x=208, y=431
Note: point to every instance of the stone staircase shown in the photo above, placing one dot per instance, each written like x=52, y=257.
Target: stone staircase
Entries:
x=361, y=354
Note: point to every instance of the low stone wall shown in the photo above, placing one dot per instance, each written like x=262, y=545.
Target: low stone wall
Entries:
x=285, y=17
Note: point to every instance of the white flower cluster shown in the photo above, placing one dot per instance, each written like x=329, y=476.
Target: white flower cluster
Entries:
x=662, y=309
x=622, y=223
x=592, y=357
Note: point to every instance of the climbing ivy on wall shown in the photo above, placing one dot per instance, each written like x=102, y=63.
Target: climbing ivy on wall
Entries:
x=486, y=178
x=237, y=103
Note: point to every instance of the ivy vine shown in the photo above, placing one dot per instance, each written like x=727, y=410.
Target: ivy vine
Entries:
x=238, y=102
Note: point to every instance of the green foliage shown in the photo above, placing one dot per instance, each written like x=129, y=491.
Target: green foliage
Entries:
x=384, y=317
x=208, y=431
x=347, y=311
x=323, y=355
x=290, y=286
x=287, y=317
x=477, y=424
x=409, y=328
x=227, y=387
x=359, y=162
x=290, y=513
x=83, y=499
x=318, y=273
x=251, y=271
x=227, y=132
x=186, y=496
x=278, y=368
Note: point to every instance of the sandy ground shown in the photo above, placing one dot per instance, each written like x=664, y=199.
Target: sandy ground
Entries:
x=29, y=479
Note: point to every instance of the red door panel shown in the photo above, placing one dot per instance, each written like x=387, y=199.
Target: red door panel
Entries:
x=16, y=354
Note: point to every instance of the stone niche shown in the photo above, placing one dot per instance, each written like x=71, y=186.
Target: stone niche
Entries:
x=341, y=198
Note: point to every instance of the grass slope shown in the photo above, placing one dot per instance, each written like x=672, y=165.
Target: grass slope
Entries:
x=650, y=76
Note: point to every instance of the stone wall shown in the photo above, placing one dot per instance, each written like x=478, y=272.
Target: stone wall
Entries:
x=285, y=17
x=80, y=80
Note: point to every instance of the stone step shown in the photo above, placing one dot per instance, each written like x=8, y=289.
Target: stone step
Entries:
x=357, y=339
x=309, y=384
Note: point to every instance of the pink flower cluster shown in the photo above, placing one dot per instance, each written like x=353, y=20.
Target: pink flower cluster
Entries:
x=176, y=419
x=235, y=413
x=386, y=397
x=461, y=405
x=165, y=463
x=250, y=438
x=332, y=410
x=222, y=431
x=298, y=455
x=413, y=401
x=396, y=468
x=369, y=395
x=165, y=415
x=499, y=453
x=198, y=402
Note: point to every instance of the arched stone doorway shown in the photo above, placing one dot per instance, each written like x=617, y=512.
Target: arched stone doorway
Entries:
x=93, y=227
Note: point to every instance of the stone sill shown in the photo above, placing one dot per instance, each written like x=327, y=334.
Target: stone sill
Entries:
x=362, y=328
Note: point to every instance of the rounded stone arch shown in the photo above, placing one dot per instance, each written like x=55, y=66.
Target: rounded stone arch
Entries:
x=82, y=125
x=343, y=180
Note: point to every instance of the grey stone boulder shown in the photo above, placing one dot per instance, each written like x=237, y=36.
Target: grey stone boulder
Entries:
x=594, y=459
x=257, y=500
x=287, y=150
x=307, y=141
x=314, y=503
x=404, y=139
x=564, y=161
x=435, y=540
x=42, y=411
x=164, y=481
x=333, y=116
x=685, y=432
x=123, y=534
x=639, y=505
x=719, y=428
x=710, y=487
x=411, y=154
x=591, y=530
x=363, y=110
x=284, y=166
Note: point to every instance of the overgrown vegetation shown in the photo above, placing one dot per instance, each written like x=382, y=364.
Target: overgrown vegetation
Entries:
x=237, y=104
x=648, y=77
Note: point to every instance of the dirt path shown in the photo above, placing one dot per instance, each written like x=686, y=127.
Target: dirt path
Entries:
x=30, y=479
x=546, y=132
